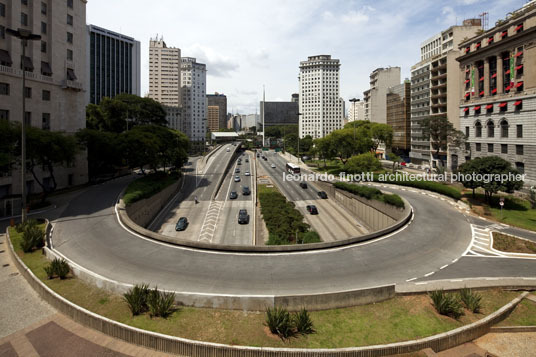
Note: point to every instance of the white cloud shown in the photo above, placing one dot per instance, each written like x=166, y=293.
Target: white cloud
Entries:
x=218, y=65
x=355, y=17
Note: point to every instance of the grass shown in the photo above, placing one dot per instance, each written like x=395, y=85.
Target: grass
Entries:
x=508, y=243
x=523, y=315
x=399, y=319
x=371, y=193
x=147, y=186
x=516, y=211
x=438, y=187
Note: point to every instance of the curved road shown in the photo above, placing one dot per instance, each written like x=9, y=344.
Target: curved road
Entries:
x=89, y=234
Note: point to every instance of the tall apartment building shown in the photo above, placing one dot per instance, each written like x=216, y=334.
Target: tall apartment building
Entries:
x=194, y=100
x=113, y=64
x=279, y=113
x=320, y=105
x=213, y=118
x=375, y=97
x=220, y=101
x=434, y=86
x=497, y=101
x=165, y=80
x=56, y=75
x=399, y=116
x=356, y=111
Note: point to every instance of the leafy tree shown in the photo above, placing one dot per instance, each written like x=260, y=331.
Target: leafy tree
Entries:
x=9, y=137
x=441, y=134
x=381, y=133
x=366, y=162
x=395, y=159
x=466, y=171
x=323, y=147
x=103, y=155
x=347, y=143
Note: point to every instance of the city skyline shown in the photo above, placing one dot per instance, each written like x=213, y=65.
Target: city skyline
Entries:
x=244, y=44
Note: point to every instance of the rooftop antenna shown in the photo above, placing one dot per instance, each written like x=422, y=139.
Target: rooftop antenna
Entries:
x=484, y=20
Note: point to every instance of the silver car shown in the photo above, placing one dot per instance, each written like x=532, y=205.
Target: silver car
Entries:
x=237, y=179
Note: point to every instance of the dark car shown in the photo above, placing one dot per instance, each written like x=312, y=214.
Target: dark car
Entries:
x=246, y=191
x=322, y=195
x=237, y=171
x=233, y=195
x=312, y=209
x=303, y=185
x=181, y=224
x=243, y=217
x=239, y=162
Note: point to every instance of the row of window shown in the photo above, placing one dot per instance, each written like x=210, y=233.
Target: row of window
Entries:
x=504, y=34
x=504, y=148
x=45, y=118
x=503, y=125
x=5, y=90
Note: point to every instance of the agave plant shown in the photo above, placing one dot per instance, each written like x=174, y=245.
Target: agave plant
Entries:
x=446, y=304
x=136, y=298
x=279, y=322
x=303, y=322
x=471, y=300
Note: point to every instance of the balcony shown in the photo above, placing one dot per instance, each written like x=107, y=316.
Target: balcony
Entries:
x=67, y=84
x=439, y=76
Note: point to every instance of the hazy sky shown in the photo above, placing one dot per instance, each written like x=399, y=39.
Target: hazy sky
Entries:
x=250, y=43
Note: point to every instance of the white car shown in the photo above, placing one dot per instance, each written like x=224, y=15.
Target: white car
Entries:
x=237, y=179
x=272, y=166
x=247, y=173
x=228, y=149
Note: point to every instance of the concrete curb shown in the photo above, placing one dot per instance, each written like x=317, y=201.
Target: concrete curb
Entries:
x=222, y=178
x=508, y=329
x=177, y=345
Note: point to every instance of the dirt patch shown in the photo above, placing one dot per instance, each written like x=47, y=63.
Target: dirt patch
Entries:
x=270, y=335
x=511, y=244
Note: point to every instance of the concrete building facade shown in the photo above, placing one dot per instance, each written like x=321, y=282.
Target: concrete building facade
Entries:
x=113, y=63
x=375, y=98
x=320, y=105
x=194, y=100
x=399, y=117
x=356, y=111
x=56, y=81
x=435, y=89
x=497, y=101
x=219, y=100
x=213, y=118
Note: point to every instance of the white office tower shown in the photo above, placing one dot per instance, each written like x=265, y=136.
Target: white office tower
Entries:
x=194, y=100
x=320, y=106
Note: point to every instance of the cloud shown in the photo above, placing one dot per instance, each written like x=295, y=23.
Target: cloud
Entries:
x=469, y=2
x=218, y=65
x=355, y=17
x=449, y=16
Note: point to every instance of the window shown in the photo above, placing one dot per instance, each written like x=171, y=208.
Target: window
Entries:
x=504, y=129
x=43, y=8
x=2, y=10
x=491, y=129
x=520, y=167
x=24, y=2
x=23, y=19
x=4, y=88
x=69, y=37
x=45, y=121
x=2, y=32
x=504, y=149
x=43, y=47
x=478, y=147
x=519, y=149
x=70, y=55
x=43, y=28
x=490, y=147
x=45, y=95
x=28, y=118
x=27, y=92
x=519, y=131
x=467, y=131
x=70, y=4
x=69, y=20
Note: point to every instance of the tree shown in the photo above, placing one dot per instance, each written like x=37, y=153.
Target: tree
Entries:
x=347, y=143
x=467, y=172
x=366, y=162
x=381, y=133
x=395, y=159
x=441, y=134
x=9, y=136
x=324, y=149
x=102, y=147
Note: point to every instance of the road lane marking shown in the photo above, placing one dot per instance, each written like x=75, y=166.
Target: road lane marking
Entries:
x=427, y=275
x=411, y=280
x=443, y=267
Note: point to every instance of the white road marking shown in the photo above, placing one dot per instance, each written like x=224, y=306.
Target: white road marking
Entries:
x=411, y=279
x=443, y=267
x=431, y=273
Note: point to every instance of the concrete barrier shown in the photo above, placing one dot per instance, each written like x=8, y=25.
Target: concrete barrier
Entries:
x=227, y=168
x=185, y=347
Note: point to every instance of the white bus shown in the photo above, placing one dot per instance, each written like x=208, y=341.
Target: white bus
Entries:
x=292, y=168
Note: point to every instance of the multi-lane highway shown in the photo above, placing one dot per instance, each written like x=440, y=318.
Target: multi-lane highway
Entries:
x=333, y=222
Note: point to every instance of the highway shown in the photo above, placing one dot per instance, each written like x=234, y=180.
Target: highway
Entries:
x=333, y=222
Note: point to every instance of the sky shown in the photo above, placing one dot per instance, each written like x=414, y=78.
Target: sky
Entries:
x=248, y=44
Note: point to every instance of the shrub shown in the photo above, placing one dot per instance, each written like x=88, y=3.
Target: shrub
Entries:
x=148, y=186
x=49, y=269
x=446, y=304
x=57, y=267
x=310, y=237
x=136, y=298
x=32, y=236
x=471, y=300
x=371, y=193
x=274, y=239
x=393, y=200
x=366, y=162
x=303, y=322
x=423, y=185
x=279, y=322
x=160, y=303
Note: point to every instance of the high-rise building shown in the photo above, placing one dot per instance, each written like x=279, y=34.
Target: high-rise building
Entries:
x=113, y=64
x=56, y=77
x=279, y=113
x=295, y=98
x=435, y=89
x=375, y=98
x=165, y=80
x=194, y=100
x=356, y=110
x=213, y=118
x=399, y=116
x=320, y=105
x=497, y=92
x=219, y=100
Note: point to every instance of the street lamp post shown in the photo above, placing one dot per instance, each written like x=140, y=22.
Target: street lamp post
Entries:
x=24, y=36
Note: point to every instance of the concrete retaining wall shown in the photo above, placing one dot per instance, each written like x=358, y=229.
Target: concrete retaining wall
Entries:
x=144, y=211
x=186, y=347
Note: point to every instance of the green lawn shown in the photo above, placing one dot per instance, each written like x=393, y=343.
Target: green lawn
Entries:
x=147, y=186
x=398, y=319
x=523, y=315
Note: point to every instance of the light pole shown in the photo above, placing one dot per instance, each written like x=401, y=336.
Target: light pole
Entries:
x=24, y=36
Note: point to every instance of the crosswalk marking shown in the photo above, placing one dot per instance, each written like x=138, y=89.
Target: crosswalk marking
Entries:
x=211, y=220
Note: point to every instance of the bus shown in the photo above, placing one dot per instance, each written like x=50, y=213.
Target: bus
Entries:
x=292, y=168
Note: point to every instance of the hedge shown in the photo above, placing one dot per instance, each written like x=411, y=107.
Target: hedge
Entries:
x=371, y=193
x=426, y=185
x=148, y=186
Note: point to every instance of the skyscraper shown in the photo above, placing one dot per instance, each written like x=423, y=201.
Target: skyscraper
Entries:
x=194, y=100
x=375, y=98
x=220, y=101
x=320, y=105
x=113, y=64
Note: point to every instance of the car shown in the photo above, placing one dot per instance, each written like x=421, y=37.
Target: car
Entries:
x=228, y=149
x=312, y=209
x=233, y=195
x=322, y=195
x=247, y=173
x=243, y=217
x=272, y=166
x=239, y=162
x=258, y=155
x=246, y=191
x=237, y=179
x=182, y=223
x=265, y=158
x=237, y=171
x=303, y=185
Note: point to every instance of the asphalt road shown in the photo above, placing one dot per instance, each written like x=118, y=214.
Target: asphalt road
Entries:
x=88, y=233
x=333, y=222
